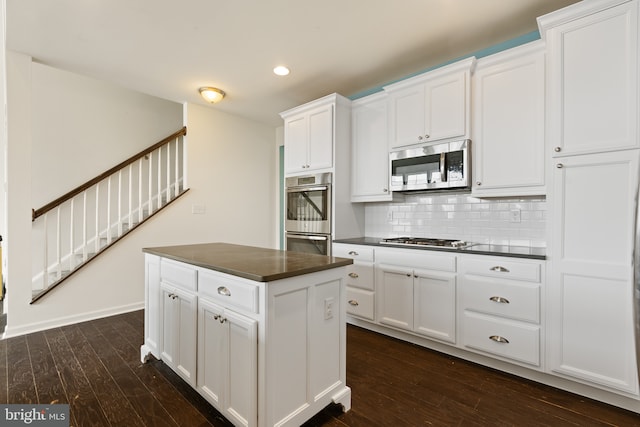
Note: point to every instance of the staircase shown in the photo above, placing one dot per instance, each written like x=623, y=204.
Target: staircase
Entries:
x=71, y=231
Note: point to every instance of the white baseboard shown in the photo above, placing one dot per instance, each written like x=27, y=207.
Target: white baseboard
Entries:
x=69, y=320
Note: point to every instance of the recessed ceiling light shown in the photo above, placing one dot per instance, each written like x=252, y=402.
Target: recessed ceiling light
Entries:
x=281, y=70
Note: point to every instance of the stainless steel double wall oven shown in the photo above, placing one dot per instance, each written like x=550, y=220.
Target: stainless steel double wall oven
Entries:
x=308, y=209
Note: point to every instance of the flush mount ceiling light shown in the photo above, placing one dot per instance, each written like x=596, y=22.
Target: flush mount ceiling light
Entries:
x=281, y=70
x=211, y=94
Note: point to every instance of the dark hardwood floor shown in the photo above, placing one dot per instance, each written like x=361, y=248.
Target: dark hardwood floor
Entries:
x=95, y=367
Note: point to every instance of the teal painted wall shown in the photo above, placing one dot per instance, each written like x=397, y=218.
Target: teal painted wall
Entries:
x=526, y=38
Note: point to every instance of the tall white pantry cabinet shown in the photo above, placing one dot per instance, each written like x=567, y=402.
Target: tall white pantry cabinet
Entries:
x=592, y=144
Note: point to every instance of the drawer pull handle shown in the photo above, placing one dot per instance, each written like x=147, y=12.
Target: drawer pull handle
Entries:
x=501, y=300
x=223, y=290
x=353, y=275
x=222, y=319
x=500, y=269
x=498, y=338
x=354, y=253
x=353, y=302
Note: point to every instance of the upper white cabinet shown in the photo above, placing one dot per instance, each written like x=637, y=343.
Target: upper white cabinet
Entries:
x=309, y=134
x=432, y=106
x=370, y=151
x=592, y=81
x=508, y=123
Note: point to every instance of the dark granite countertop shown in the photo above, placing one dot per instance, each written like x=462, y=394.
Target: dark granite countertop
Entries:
x=477, y=249
x=258, y=264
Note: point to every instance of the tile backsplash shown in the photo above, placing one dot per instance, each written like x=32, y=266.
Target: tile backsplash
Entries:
x=515, y=222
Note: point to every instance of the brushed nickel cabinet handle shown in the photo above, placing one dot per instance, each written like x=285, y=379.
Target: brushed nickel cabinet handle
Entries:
x=224, y=291
x=354, y=253
x=353, y=275
x=557, y=149
x=500, y=269
x=499, y=339
x=559, y=165
x=353, y=302
x=501, y=300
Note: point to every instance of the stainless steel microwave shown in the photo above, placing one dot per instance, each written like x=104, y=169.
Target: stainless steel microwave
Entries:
x=436, y=166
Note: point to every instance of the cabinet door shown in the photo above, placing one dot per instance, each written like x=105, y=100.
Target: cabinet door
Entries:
x=370, y=151
x=446, y=109
x=508, y=123
x=179, y=331
x=591, y=290
x=320, y=138
x=593, y=93
x=295, y=146
x=212, y=353
x=228, y=362
x=406, y=116
x=242, y=401
x=434, y=310
x=395, y=296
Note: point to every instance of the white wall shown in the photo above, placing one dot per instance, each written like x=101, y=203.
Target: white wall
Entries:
x=231, y=172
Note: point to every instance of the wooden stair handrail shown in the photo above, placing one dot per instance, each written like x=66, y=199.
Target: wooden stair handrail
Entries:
x=35, y=213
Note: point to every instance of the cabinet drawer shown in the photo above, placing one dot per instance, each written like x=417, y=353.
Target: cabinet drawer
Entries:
x=502, y=268
x=228, y=291
x=356, y=252
x=517, y=300
x=360, y=303
x=179, y=274
x=513, y=340
x=361, y=275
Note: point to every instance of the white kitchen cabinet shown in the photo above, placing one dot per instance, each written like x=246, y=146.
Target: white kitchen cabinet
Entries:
x=499, y=301
x=228, y=361
x=592, y=86
x=508, y=123
x=592, y=130
x=309, y=135
x=359, y=279
x=263, y=353
x=421, y=300
x=432, y=106
x=179, y=319
x=591, y=301
x=370, y=150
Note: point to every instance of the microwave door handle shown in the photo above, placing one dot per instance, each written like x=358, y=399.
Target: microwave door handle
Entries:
x=306, y=189
x=443, y=168
x=307, y=237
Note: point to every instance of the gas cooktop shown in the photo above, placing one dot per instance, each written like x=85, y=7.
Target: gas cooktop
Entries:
x=425, y=241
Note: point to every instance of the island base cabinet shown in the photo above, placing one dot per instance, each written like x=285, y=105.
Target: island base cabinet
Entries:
x=227, y=362
x=305, y=362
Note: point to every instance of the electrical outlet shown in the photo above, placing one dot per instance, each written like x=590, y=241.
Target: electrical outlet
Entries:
x=514, y=215
x=198, y=209
x=328, y=308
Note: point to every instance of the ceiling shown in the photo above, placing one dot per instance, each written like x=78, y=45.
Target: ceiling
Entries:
x=169, y=48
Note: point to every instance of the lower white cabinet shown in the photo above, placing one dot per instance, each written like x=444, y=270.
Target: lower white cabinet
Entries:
x=500, y=307
x=359, y=278
x=262, y=353
x=420, y=300
x=228, y=361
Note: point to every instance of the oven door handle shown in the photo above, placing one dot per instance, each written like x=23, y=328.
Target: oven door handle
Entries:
x=307, y=237
x=306, y=189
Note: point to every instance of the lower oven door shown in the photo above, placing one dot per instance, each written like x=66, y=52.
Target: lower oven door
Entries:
x=309, y=243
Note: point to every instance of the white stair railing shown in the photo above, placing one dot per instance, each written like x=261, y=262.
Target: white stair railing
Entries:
x=112, y=204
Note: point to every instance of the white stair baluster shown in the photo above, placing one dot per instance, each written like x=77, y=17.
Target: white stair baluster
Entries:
x=45, y=270
x=109, y=211
x=159, y=195
x=168, y=172
x=119, y=212
x=72, y=229
x=84, y=226
x=130, y=214
x=140, y=163
x=97, y=235
x=58, y=247
x=150, y=204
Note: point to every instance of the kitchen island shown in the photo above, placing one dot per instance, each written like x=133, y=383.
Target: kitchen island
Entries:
x=259, y=333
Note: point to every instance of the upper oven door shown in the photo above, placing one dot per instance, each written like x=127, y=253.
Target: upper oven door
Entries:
x=309, y=209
